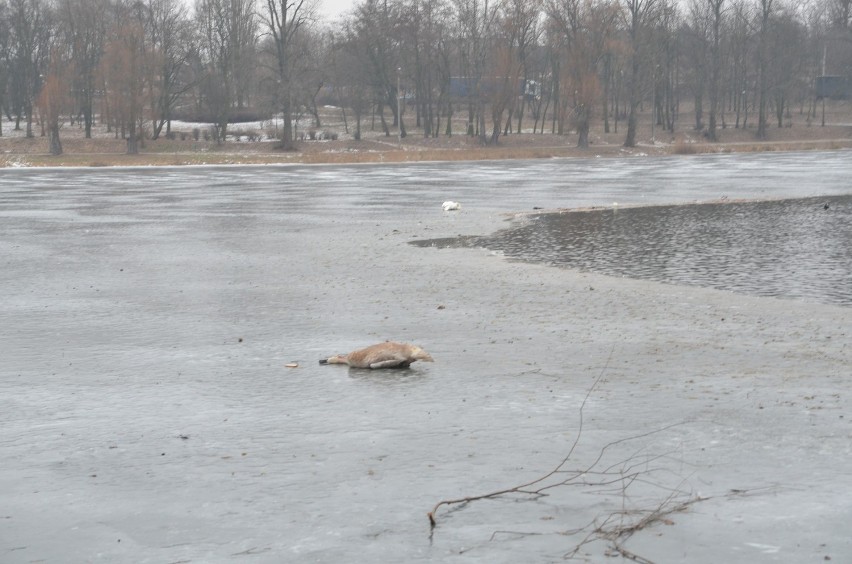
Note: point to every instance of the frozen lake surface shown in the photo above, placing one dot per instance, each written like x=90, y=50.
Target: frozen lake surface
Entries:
x=147, y=413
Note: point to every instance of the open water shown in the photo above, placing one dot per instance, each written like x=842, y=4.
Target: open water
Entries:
x=793, y=248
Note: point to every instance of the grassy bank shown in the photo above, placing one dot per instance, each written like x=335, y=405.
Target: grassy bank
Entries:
x=104, y=149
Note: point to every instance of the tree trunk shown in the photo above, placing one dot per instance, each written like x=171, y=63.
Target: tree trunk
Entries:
x=29, y=122
x=357, y=125
x=87, y=118
x=583, y=127
x=522, y=107
x=132, y=142
x=381, y=112
x=761, y=109
x=716, y=68
x=763, y=62
x=287, y=143
x=606, y=87
x=53, y=136
x=634, y=8
x=630, y=140
x=483, y=134
x=699, y=112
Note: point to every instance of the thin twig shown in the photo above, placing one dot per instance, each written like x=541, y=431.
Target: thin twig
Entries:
x=616, y=527
x=558, y=468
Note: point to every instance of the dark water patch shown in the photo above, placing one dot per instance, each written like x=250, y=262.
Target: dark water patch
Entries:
x=796, y=248
x=460, y=242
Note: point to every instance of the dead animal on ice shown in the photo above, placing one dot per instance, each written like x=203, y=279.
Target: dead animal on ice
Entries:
x=382, y=355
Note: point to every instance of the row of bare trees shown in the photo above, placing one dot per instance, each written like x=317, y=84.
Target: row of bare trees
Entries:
x=132, y=63
x=503, y=66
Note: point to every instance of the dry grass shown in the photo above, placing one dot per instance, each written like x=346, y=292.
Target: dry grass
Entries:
x=105, y=150
x=683, y=146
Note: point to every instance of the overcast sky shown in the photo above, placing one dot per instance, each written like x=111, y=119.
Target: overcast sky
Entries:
x=334, y=8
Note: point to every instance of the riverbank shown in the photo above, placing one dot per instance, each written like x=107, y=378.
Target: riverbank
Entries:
x=104, y=149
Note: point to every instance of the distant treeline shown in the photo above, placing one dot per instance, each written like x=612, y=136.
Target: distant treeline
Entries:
x=136, y=65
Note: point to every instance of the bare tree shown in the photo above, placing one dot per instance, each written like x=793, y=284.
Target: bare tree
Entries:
x=122, y=68
x=53, y=98
x=228, y=37
x=740, y=47
x=836, y=44
x=716, y=9
x=169, y=38
x=30, y=38
x=82, y=25
x=638, y=14
x=536, y=76
x=5, y=26
x=705, y=55
x=666, y=72
x=505, y=61
x=614, y=57
x=842, y=13
x=475, y=21
x=765, y=11
x=424, y=25
x=523, y=19
x=379, y=24
x=283, y=20
x=350, y=66
x=502, y=86
x=697, y=46
x=787, y=63
x=584, y=29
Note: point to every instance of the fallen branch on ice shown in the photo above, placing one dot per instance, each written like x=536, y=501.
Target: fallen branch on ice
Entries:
x=523, y=488
x=622, y=475
x=614, y=527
